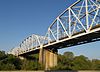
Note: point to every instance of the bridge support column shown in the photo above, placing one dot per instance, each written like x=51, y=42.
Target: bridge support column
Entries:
x=51, y=58
x=48, y=58
x=41, y=56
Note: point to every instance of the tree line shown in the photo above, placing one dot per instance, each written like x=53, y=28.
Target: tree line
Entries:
x=67, y=61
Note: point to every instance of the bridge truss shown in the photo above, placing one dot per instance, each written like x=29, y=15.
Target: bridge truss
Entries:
x=80, y=19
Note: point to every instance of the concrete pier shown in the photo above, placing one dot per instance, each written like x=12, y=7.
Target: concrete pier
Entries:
x=48, y=58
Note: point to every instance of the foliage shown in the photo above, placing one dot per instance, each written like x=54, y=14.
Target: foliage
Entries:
x=67, y=61
x=95, y=64
x=69, y=55
x=10, y=62
x=81, y=63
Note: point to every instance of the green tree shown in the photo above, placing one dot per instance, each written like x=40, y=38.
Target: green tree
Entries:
x=69, y=55
x=95, y=64
x=81, y=63
x=31, y=63
x=2, y=55
x=8, y=66
x=63, y=63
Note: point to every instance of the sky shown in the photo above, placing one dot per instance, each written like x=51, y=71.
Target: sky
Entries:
x=22, y=18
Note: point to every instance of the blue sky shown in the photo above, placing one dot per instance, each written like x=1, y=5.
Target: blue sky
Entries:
x=21, y=18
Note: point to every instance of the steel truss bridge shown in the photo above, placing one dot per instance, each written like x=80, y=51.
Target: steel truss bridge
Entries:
x=78, y=24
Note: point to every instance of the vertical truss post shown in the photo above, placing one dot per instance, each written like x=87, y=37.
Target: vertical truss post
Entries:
x=87, y=23
x=38, y=41
x=22, y=46
x=57, y=30
x=26, y=44
x=29, y=41
x=48, y=36
x=69, y=22
x=32, y=41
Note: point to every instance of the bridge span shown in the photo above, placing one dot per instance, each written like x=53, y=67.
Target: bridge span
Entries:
x=78, y=24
